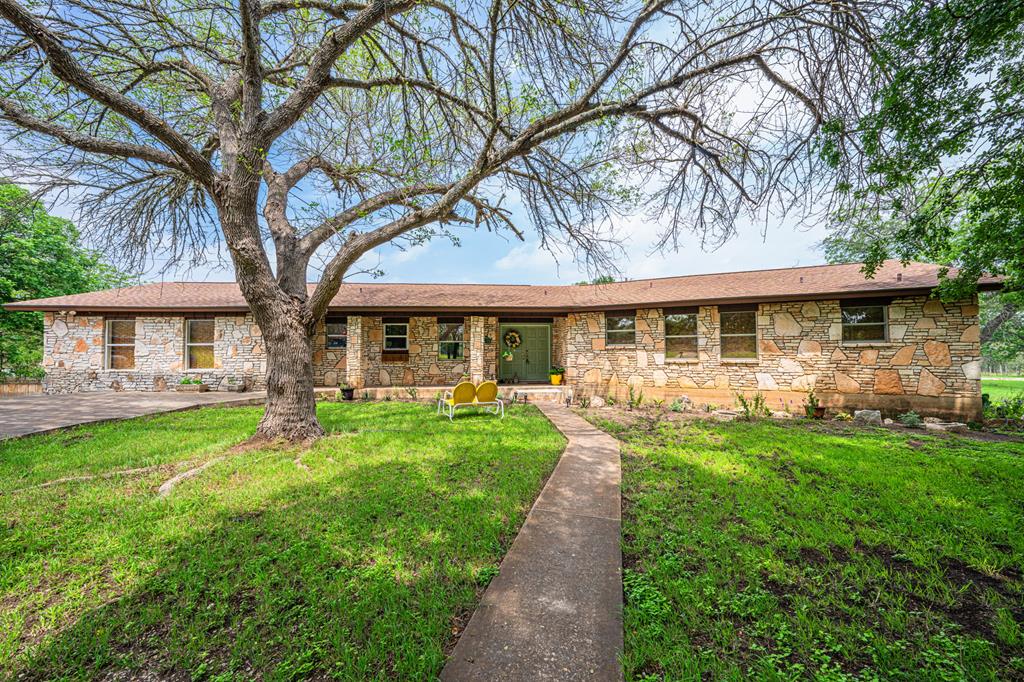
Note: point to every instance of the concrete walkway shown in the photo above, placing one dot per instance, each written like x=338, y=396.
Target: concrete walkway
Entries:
x=24, y=415
x=554, y=612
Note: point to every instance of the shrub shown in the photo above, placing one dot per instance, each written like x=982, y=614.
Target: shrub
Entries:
x=911, y=420
x=1007, y=408
x=753, y=408
x=413, y=392
x=188, y=381
x=636, y=398
x=679, y=404
x=843, y=417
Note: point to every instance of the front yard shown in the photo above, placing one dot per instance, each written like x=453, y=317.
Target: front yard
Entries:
x=777, y=550
x=360, y=559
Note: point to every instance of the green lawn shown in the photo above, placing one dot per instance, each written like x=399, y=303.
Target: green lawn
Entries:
x=779, y=551
x=358, y=561
x=998, y=389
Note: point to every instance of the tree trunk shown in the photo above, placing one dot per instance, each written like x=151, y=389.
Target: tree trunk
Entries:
x=291, y=401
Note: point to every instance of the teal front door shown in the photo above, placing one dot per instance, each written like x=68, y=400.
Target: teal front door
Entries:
x=532, y=359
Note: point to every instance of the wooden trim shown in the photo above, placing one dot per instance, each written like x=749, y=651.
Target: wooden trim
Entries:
x=683, y=310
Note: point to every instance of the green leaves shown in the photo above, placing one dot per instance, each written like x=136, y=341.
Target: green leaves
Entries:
x=40, y=256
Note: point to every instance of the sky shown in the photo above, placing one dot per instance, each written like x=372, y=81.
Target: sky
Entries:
x=486, y=257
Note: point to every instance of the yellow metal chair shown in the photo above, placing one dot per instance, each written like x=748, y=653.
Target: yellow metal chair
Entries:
x=465, y=394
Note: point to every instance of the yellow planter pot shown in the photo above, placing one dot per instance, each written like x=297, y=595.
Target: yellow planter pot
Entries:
x=556, y=379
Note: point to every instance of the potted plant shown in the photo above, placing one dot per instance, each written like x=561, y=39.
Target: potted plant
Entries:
x=507, y=355
x=812, y=408
x=556, y=375
x=347, y=392
x=191, y=385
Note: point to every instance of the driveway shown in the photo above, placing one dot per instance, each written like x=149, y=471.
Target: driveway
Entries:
x=27, y=414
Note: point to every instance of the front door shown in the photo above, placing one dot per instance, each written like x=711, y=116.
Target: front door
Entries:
x=532, y=359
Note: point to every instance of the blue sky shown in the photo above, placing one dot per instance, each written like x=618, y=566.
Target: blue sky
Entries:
x=485, y=257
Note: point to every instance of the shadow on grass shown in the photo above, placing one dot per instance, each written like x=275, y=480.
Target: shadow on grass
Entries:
x=362, y=570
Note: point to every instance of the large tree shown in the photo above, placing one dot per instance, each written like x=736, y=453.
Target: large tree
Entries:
x=935, y=171
x=40, y=255
x=302, y=129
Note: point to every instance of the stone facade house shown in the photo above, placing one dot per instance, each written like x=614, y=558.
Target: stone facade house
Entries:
x=883, y=342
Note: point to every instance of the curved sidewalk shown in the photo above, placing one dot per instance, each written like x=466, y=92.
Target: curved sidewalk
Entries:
x=554, y=611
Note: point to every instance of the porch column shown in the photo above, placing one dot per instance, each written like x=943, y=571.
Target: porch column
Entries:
x=476, y=349
x=354, y=353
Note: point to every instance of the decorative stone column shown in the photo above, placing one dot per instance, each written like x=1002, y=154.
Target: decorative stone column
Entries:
x=354, y=353
x=476, y=349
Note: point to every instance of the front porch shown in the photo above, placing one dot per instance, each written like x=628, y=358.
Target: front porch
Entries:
x=398, y=356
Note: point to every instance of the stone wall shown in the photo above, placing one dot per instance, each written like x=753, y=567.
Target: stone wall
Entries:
x=74, y=357
x=330, y=365
x=931, y=362
x=422, y=366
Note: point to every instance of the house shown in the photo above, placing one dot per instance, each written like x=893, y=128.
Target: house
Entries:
x=857, y=342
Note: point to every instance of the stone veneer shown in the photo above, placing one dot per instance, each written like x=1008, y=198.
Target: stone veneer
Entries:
x=74, y=361
x=421, y=366
x=931, y=363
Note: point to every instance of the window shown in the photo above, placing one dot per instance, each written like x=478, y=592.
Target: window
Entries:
x=450, y=338
x=396, y=336
x=739, y=334
x=620, y=330
x=120, y=344
x=681, y=333
x=863, y=321
x=199, y=344
x=337, y=331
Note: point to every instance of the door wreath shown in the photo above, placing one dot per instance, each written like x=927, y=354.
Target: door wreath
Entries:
x=512, y=339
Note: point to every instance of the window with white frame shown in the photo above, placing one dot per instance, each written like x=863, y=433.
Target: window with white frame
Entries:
x=120, y=344
x=620, y=329
x=864, y=321
x=199, y=343
x=396, y=335
x=739, y=334
x=681, y=333
x=451, y=338
x=336, y=328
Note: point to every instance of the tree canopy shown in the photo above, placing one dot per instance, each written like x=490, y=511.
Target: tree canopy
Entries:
x=936, y=170
x=40, y=256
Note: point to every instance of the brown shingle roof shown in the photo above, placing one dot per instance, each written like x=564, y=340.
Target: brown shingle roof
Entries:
x=819, y=281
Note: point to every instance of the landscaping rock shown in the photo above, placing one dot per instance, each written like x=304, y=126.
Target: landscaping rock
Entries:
x=868, y=417
x=597, y=401
x=947, y=427
x=888, y=422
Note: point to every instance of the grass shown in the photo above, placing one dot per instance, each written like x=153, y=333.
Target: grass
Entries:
x=361, y=560
x=778, y=551
x=1001, y=389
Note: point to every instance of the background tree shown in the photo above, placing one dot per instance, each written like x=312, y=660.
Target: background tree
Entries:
x=300, y=129
x=936, y=171
x=40, y=256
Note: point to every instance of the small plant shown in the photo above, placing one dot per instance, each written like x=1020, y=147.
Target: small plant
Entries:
x=610, y=400
x=413, y=392
x=659, y=403
x=710, y=407
x=388, y=397
x=190, y=381
x=366, y=396
x=811, y=405
x=843, y=417
x=912, y=420
x=636, y=398
x=753, y=408
x=485, y=574
x=556, y=370
x=584, y=402
x=679, y=405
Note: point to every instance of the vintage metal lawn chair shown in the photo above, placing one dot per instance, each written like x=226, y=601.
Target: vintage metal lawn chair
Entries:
x=465, y=394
